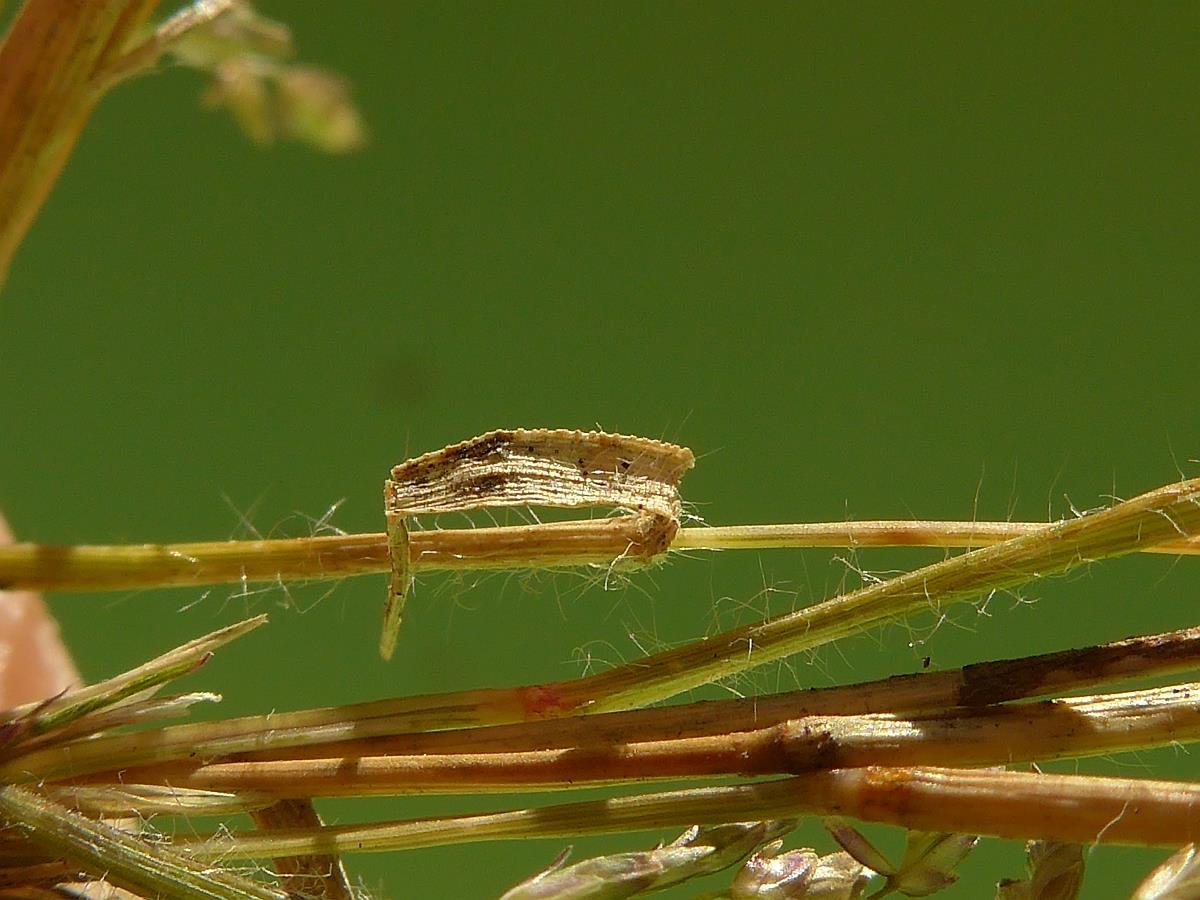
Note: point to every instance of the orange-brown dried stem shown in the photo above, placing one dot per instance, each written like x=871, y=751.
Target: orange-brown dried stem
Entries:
x=994, y=735
x=315, y=875
x=1070, y=808
x=383, y=727
x=52, y=66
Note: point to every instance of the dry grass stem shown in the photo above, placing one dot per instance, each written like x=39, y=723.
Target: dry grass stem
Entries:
x=378, y=728
x=1020, y=805
x=32, y=720
x=147, y=800
x=974, y=686
x=993, y=735
x=52, y=66
x=47, y=567
x=533, y=468
x=318, y=875
x=1163, y=514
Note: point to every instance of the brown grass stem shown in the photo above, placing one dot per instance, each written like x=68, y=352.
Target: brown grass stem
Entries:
x=53, y=66
x=847, y=764
x=373, y=729
x=320, y=876
x=992, y=735
x=1069, y=808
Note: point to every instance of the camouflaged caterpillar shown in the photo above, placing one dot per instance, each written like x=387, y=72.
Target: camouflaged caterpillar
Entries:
x=531, y=468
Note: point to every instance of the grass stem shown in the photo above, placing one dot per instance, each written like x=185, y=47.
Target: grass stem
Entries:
x=1069, y=808
x=382, y=728
x=48, y=567
x=992, y=735
x=121, y=859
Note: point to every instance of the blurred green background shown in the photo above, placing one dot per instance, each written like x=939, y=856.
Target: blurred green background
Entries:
x=867, y=260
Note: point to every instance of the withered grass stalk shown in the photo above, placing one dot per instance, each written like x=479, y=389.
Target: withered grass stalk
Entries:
x=357, y=732
x=993, y=735
x=1070, y=808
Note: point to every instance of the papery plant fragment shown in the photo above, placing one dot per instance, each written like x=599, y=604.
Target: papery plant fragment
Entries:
x=697, y=852
x=930, y=858
x=1055, y=873
x=249, y=59
x=1177, y=878
x=800, y=874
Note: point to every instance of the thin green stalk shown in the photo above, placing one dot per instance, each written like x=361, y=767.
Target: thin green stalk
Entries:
x=877, y=533
x=1164, y=514
x=74, y=705
x=46, y=567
